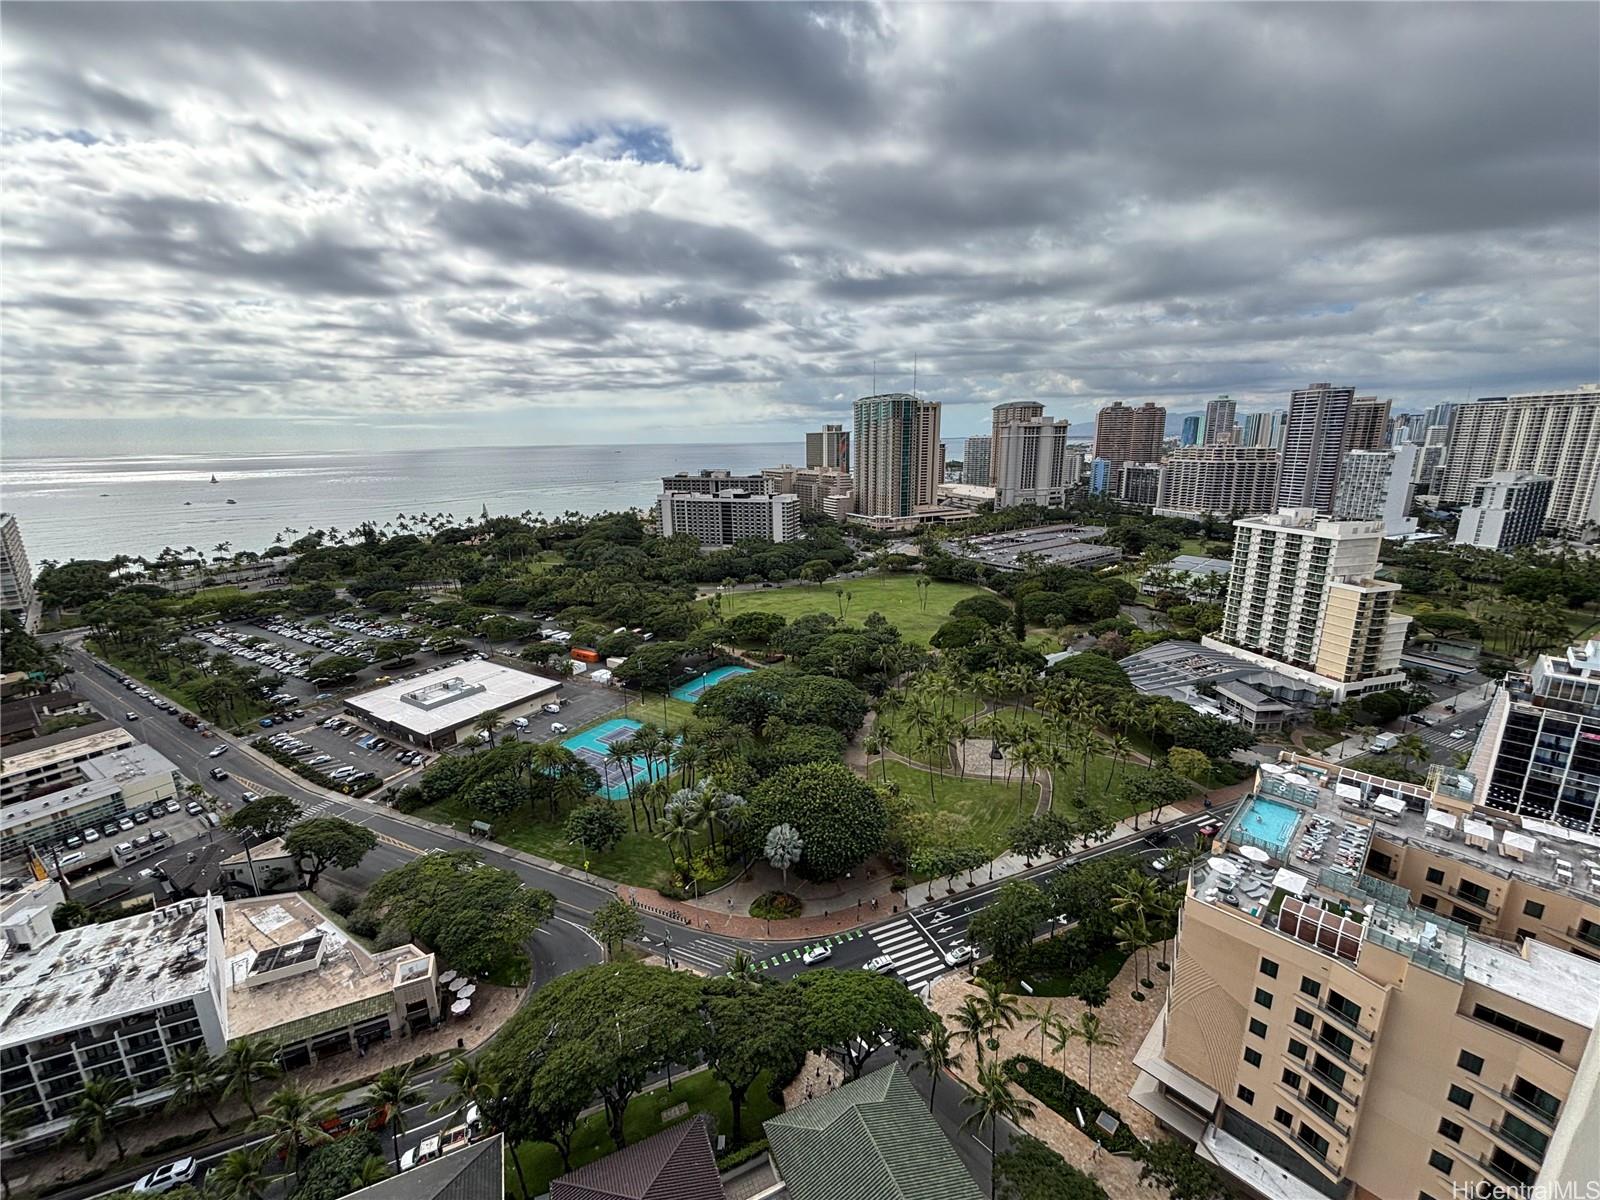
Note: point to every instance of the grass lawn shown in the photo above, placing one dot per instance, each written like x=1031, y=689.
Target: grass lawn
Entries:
x=638, y=859
x=895, y=596
x=987, y=810
x=701, y=1092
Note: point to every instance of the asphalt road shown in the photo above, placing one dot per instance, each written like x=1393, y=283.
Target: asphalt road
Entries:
x=917, y=943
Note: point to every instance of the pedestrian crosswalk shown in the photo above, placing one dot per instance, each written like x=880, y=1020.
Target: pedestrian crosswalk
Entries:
x=796, y=954
x=915, y=958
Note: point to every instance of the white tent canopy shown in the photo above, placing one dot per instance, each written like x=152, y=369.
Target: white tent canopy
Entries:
x=1441, y=819
x=1292, y=882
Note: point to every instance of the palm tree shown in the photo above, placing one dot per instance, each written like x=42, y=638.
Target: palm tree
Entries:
x=487, y=722
x=195, y=1080
x=468, y=1086
x=389, y=1096
x=938, y=1056
x=677, y=822
x=101, y=1105
x=1094, y=1033
x=1133, y=936
x=15, y=1119
x=372, y=1170
x=241, y=1175
x=742, y=967
x=993, y=1102
x=971, y=1023
x=1044, y=1021
x=1061, y=1036
x=293, y=1122
x=998, y=1008
x=248, y=1061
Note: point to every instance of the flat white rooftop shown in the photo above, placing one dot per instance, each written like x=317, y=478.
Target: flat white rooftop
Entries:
x=95, y=974
x=450, y=697
x=1551, y=980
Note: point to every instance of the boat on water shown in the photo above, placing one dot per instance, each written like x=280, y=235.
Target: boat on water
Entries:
x=186, y=503
x=213, y=479
x=233, y=502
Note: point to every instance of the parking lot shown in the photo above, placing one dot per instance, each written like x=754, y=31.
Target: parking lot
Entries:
x=347, y=747
x=585, y=704
x=139, y=834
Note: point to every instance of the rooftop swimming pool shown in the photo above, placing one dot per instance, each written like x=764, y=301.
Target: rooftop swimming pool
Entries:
x=1268, y=824
x=695, y=688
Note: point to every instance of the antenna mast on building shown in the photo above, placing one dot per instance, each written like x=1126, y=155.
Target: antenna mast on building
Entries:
x=913, y=374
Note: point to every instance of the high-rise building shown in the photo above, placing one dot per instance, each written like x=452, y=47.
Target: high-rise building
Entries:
x=1439, y=414
x=1546, y=433
x=1369, y=424
x=723, y=518
x=812, y=486
x=898, y=454
x=1429, y=473
x=1413, y=425
x=1314, y=446
x=975, y=461
x=1303, y=599
x=1539, y=752
x=1031, y=462
x=712, y=482
x=1219, y=421
x=1353, y=1018
x=1377, y=485
x=1123, y=435
x=829, y=447
x=1221, y=480
x=1264, y=429
x=1009, y=413
x=1193, y=431
x=16, y=576
x=1099, y=477
x=1139, y=483
x=1507, y=511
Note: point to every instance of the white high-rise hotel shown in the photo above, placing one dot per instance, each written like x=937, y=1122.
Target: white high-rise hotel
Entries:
x=1302, y=599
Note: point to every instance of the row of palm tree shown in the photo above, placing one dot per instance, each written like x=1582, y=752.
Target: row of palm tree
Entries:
x=704, y=806
x=978, y=1022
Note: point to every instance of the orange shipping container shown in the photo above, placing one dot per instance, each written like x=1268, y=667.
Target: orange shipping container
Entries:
x=588, y=656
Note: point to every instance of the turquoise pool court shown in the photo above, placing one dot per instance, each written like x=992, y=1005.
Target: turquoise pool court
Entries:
x=695, y=688
x=591, y=746
x=1268, y=824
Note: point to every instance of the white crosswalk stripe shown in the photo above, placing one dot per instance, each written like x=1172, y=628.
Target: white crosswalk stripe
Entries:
x=905, y=945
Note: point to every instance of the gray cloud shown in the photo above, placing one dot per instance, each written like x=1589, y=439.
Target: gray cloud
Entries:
x=723, y=215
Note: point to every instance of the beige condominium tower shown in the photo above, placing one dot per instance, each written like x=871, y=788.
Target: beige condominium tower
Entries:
x=1382, y=990
x=1302, y=599
x=899, y=457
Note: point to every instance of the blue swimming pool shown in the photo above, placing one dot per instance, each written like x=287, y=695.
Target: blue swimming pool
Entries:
x=1268, y=824
x=695, y=688
x=591, y=746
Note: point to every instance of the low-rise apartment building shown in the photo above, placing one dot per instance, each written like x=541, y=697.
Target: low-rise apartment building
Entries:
x=1376, y=993
x=101, y=788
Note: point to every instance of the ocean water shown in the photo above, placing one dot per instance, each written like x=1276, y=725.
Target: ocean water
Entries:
x=97, y=507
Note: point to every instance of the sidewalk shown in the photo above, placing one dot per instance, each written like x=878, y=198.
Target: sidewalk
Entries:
x=849, y=903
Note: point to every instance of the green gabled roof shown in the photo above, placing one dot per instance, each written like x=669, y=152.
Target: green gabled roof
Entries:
x=873, y=1139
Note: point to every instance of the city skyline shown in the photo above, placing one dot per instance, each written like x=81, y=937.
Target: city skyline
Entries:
x=541, y=228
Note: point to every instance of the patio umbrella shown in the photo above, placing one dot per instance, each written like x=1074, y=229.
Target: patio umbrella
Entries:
x=447, y=978
x=1223, y=867
x=458, y=983
x=1254, y=853
x=460, y=1007
x=467, y=992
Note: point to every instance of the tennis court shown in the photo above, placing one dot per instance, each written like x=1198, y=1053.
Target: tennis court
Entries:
x=696, y=688
x=591, y=746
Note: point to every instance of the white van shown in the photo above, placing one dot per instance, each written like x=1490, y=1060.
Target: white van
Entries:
x=519, y=722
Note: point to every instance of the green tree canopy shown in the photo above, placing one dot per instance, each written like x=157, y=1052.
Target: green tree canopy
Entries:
x=840, y=817
x=324, y=842
x=1007, y=927
x=854, y=1012
x=596, y=826
x=472, y=914
x=265, y=817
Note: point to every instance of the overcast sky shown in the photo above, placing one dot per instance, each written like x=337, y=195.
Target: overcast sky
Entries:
x=420, y=225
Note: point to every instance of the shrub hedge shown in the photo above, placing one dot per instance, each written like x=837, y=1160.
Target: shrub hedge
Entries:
x=1065, y=1096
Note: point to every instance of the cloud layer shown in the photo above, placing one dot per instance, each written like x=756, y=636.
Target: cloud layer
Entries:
x=708, y=217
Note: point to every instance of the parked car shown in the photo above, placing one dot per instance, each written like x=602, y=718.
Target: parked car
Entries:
x=552, y=707
x=815, y=954
x=173, y=806
x=193, y=808
x=557, y=727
